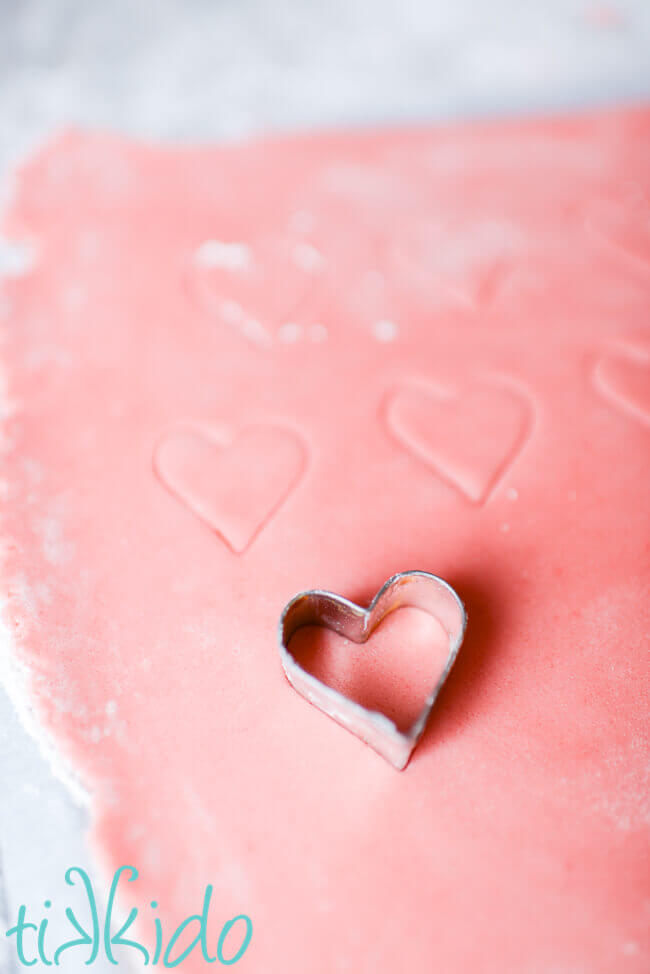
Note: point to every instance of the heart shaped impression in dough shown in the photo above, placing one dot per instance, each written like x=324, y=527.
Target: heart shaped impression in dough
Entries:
x=416, y=589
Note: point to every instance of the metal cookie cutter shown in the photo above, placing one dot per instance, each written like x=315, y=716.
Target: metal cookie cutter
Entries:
x=419, y=590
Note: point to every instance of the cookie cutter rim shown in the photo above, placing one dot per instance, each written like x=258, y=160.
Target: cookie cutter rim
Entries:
x=416, y=589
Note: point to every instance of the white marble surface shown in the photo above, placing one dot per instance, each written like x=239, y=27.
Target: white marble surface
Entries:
x=206, y=69
x=211, y=69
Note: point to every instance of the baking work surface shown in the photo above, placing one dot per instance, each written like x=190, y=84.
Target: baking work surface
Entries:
x=237, y=373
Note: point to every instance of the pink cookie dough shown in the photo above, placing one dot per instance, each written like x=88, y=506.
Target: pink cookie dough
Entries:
x=234, y=373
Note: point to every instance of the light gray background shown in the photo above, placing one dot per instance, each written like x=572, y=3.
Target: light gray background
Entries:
x=213, y=69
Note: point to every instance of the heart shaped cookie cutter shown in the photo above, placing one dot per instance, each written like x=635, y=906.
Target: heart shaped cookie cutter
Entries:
x=415, y=589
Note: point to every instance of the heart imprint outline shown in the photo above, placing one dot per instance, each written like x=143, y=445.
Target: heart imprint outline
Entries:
x=620, y=376
x=417, y=589
x=234, y=483
x=468, y=438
